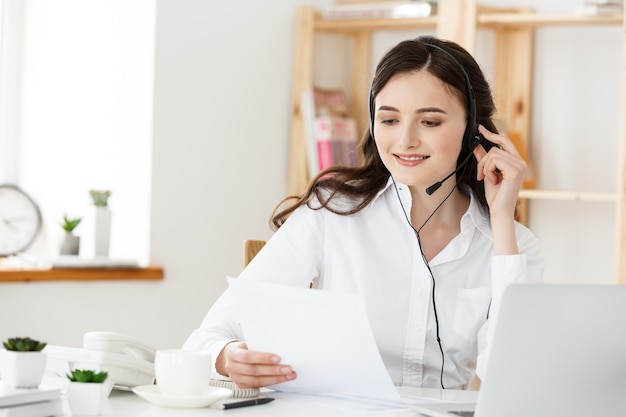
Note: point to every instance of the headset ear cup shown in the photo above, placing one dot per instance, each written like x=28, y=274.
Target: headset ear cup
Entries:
x=478, y=138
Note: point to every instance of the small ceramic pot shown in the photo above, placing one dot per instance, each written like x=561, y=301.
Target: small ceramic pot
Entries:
x=87, y=398
x=70, y=245
x=22, y=369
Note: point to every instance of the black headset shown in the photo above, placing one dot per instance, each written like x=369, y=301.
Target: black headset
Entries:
x=471, y=136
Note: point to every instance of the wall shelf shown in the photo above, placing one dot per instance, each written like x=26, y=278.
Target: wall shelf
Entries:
x=536, y=20
x=152, y=273
x=566, y=195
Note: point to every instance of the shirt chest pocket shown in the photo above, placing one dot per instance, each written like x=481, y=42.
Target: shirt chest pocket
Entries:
x=472, y=305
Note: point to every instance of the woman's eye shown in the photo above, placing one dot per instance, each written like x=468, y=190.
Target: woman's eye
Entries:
x=389, y=121
x=431, y=123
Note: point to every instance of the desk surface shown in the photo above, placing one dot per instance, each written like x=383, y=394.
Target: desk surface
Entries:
x=127, y=404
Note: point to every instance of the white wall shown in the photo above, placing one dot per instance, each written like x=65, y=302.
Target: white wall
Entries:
x=83, y=117
x=222, y=85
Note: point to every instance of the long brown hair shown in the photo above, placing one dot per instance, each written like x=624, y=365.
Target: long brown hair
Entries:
x=361, y=184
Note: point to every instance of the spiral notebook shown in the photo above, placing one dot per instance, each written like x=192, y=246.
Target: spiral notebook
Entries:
x=237, y=392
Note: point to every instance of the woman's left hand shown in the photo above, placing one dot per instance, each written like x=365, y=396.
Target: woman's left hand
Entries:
x=502, y=169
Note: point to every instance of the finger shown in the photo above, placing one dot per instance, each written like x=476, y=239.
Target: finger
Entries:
x=260, y=371
x=479, y=154
x=255, y=375
x=251, y=357
x=247, y=381
x=500, y=140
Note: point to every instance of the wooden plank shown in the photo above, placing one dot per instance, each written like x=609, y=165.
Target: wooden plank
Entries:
x=534, y=194
x=82, y=274
x=457, y=22
x=620, y=207
x=512, y=88
x=302, y=81
x=352, y=26
x=250, y=249
x=534, y=20
x=361, y=80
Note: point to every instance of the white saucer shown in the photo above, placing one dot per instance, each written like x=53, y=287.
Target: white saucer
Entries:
x=152, y=393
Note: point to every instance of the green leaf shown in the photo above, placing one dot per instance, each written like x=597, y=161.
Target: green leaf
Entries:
x=23, y=344
x=69, y=224
x=87, y=375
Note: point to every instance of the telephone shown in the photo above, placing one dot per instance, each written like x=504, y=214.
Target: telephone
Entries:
x=128, y=361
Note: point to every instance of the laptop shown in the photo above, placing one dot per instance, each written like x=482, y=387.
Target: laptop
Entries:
x=559, y=350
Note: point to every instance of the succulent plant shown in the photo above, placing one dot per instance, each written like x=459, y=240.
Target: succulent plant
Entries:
x=100, y=198
x=70, y=224
x=86, y=375
x=23, y=344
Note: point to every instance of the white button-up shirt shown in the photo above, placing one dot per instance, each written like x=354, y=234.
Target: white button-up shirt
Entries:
x=375, y=253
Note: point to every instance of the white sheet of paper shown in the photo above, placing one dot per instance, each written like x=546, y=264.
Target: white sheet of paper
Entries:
x=324, y=336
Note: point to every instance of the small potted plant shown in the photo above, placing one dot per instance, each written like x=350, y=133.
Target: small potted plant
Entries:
x=100, y=198
x=23, y=363
x=71, y=242
x=87, y=391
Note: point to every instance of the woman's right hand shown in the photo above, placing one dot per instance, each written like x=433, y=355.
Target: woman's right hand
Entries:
x=249, y=369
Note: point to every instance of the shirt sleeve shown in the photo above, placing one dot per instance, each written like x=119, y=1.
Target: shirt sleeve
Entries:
x=526, y=267
x=291, y=257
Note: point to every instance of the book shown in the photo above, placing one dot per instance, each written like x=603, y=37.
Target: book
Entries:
x=329, y=101
x=10, y=396
x=600, y=8
x=336, y=141
x=331, y=135
x=36, y=409
x=381, y=10
x=307, y=106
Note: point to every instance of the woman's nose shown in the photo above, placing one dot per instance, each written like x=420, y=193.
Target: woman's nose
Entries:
x=409, y=137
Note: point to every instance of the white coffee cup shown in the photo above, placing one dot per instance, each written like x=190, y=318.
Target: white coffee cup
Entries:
x=182, y=372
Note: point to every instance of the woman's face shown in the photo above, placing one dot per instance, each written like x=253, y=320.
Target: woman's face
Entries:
x=418, y=128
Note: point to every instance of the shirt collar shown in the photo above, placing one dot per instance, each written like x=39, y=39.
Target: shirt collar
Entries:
x=475, y=214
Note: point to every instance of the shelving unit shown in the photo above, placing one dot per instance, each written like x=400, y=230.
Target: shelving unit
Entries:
x=457, y=20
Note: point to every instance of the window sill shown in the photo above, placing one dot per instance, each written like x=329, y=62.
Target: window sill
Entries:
x=152, y=273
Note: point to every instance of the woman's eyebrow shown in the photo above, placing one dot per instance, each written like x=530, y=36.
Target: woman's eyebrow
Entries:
x=388, y=108
x=431, y=110
x=420, y=110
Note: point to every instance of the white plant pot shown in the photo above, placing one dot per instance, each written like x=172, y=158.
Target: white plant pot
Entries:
x=22, y=369
x=87, y=398
x=70, y=245
x=102, y=231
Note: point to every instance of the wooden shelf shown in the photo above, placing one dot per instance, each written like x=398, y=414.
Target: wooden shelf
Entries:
x=566, y=195
x=82, y=274
x=514, y=42
x=347, y=26
x=536, y=20
x=484, y=19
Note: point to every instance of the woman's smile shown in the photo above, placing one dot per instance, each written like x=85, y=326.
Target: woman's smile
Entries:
x=410, y=160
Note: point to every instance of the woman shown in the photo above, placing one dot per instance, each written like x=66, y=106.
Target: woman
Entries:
x=423, y=230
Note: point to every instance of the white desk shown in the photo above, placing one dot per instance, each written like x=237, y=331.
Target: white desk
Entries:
x=127, y=404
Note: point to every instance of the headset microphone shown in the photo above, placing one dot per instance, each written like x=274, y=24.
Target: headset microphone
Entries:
x=477, y=139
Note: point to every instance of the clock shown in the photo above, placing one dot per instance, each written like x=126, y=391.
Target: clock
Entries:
x=20, y=220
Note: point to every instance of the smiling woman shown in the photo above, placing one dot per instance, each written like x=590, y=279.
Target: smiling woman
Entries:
x=77, y=115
